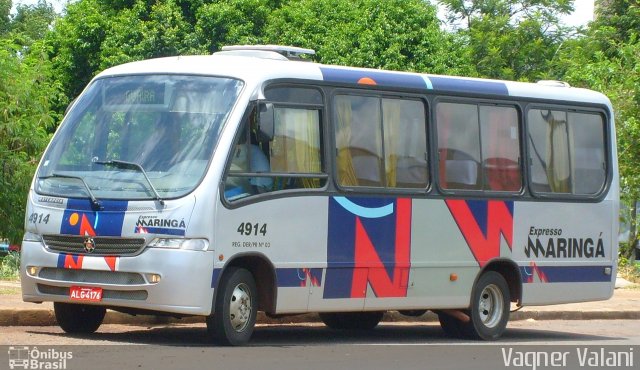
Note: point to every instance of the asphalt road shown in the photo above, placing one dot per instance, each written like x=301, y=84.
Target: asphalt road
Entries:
x=390, y=346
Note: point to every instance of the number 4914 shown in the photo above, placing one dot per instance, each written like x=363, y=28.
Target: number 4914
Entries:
x=247, y=228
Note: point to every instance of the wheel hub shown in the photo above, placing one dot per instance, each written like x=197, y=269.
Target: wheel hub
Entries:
x=240, y=307
x=490, y=306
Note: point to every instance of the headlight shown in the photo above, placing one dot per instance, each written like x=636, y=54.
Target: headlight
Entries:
x=186, y=244
x=32, y=237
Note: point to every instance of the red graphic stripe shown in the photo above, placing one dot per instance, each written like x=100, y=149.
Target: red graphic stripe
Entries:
x=499, y=223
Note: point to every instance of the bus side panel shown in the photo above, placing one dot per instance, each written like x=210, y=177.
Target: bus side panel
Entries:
x=438, y=249
x=566, y=251
x=291, y=233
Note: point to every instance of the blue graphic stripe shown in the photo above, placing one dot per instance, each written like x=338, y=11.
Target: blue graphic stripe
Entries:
x=107, y=205
x=468, y=85
x=568, y=274
x=160, y=230
x=381, y=78
x=414, y=81
x=366, y=212
x=80, y=219
x=215, y=276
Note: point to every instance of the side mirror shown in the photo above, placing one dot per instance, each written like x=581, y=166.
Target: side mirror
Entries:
x=266, y=120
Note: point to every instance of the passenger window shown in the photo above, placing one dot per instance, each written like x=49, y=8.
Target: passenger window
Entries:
x=500, y=139
x=458, y=146
x=381, y=142
x=405, y=143
x=478, y=147
x=589, y=160
x=567, y=152
x=359, y=141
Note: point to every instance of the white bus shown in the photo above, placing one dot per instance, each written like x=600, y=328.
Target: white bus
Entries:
x=250, y=180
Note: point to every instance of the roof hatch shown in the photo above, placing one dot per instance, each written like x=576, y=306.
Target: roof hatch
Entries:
x=278, y=52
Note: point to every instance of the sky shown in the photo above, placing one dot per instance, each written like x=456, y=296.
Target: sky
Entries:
x=581, y=16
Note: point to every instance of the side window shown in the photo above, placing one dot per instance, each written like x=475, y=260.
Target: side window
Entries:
x=295, y=147
x=478, y=147
x=458, y=146
x=567, y=152
x=589, y=159
x=291, y=159
x=359, y=141
x=380, y=142
x=500, y=139
x=405, y=143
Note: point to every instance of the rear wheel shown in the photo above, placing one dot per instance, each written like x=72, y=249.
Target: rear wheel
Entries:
x=490, y=304
x=78, y=318
x=351, y=320
x=236, y=307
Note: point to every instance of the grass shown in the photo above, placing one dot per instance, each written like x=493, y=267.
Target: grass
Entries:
x=10, y=266
x=630, y=272
x=9, y=291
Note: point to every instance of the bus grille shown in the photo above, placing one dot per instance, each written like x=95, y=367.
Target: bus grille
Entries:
x=91, y=276
x=104, y=246
x=133, y=295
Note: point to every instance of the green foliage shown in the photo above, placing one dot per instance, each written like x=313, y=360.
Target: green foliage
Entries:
x=232, y=22
x=394, y=34
x=5, y=21
x=95, y=35
x=25, y=118
x=629, y=270
x=607, y=59
x=33, y=21
x=510, y=39
x=10, y=266
x=75, y=46
x=618, y=20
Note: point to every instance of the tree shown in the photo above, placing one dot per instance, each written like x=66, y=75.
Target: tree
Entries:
x=5, y=10
x=32, y=22
x=25, y=117
x=98, y=34
x=232, y=22
x=607, y=59
x=510, y=39
x=392, y=34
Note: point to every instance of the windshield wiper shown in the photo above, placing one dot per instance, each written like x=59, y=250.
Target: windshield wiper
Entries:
x=135, y=166
x=95, y=204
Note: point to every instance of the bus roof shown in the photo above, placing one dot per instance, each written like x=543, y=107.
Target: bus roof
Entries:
x=256, y=67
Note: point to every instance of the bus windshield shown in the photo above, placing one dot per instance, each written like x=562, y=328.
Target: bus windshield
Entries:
x=164, y=127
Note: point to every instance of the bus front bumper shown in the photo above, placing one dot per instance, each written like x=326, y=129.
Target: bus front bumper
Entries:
x=165, y=280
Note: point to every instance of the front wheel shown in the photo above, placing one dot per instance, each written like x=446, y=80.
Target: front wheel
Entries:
x=78, y=318
x=489, y=311
x=236, y=307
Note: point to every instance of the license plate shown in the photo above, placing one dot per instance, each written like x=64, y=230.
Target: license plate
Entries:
x=81, y=293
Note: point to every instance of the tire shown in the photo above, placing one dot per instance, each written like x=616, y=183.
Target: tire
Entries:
x=78, y=318
x=236, y=307
x=351, y=320
x=451, y=326
x=490, y=304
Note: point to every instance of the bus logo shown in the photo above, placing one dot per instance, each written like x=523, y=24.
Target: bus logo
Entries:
x=89, y=245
